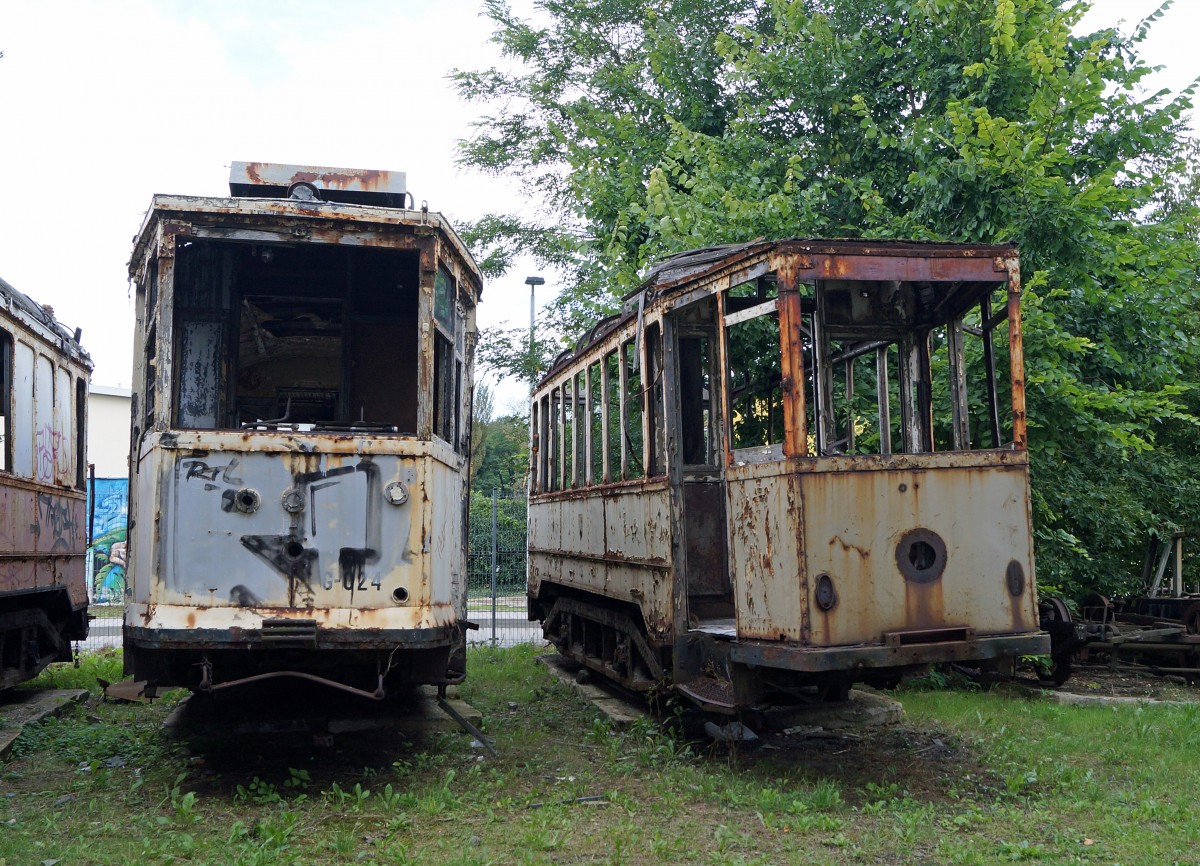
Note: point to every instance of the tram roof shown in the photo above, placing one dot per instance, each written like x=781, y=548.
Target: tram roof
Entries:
x=245, y=207
x=40, y=319
x=671, y=272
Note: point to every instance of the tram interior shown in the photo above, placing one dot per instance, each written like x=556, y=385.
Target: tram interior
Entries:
x=308, y=336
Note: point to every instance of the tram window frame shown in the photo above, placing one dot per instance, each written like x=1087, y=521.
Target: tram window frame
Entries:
x=696, y=395
x=774, y=425
x=6, y=385
x=554, y=458
x=633, y=456
x=569, y=406
x=611, y=378
x=596, y=411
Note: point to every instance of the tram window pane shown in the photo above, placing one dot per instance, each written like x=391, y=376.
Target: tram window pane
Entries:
x=5, y=398
x=695, y=399
x=312, y=334
x=21, y=429
x=64, y=428
x=535, y=450
x=46, y=435
x=596, y=407
x=755, y=382
x=443, y=299
x=632, y=397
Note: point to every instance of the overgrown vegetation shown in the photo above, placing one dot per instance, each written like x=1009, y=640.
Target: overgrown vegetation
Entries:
x=971, y=778
x=646, y=128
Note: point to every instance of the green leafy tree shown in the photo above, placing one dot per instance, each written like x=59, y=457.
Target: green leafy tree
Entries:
x=652, y=127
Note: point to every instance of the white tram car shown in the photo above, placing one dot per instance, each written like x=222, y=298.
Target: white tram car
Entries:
x=300, y=435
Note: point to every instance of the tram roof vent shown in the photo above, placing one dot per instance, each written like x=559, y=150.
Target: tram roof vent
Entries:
x=317, y=183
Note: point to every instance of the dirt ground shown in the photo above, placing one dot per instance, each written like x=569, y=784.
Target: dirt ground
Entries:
x=1109, y=682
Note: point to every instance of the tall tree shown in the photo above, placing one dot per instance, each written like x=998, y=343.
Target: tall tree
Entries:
x=962, y=120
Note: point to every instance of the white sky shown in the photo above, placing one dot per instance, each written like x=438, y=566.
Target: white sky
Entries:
x=103, y=104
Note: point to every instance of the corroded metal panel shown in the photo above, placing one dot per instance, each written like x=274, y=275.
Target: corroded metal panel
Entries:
x=42, y=540
x=921, y=549
x=617, y=545
x=765, y=510
x=265, y=530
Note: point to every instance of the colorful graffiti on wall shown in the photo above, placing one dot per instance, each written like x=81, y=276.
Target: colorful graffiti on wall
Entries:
x=107, y=553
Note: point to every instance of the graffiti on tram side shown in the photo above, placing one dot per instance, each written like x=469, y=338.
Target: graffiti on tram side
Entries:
x=58, y=515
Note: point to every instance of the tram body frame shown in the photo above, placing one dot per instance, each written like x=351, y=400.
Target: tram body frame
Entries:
x=44, y=376
x=323, y=546
x=747, y=574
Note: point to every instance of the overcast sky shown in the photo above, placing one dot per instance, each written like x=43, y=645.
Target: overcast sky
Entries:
x=103, y=104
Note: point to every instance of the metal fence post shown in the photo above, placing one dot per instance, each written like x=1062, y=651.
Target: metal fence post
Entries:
x=495, y=565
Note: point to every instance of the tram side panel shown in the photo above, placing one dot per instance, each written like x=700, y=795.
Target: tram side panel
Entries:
x=43, y=529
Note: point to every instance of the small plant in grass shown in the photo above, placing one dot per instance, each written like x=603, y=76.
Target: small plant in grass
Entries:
x=86, y=673
x=259, y=791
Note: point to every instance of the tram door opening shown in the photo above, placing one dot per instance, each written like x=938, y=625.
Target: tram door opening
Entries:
x=703, y=522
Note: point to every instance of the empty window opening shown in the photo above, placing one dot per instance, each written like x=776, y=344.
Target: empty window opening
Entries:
x=632, y=465
x=884, y=374
x=596, y=411
x=695, y=399
x=756, y=416
x=612, y=407
x=316, y=335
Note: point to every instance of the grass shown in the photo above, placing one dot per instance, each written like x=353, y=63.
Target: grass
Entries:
x=970, y=778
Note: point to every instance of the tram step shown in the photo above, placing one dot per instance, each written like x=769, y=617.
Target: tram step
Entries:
x=710, y=691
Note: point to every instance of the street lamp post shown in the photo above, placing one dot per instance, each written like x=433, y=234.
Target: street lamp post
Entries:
x=533, y=283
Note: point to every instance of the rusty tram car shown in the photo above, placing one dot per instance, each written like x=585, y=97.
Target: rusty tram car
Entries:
x=786, y=467
x=300, y=435
x=44, y=375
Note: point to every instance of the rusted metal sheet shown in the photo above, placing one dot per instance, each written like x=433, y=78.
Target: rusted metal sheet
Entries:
x=920, y=549
x=276, y=180
x=765, y=511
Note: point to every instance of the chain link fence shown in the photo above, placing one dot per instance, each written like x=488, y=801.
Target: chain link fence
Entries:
x=496, y=571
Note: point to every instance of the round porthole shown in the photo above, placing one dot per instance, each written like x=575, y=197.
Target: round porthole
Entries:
x=400, y=595
x=921, y=556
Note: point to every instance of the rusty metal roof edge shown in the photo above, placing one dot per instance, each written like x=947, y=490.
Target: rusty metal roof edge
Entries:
x=34, y=316
x=170, y=203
